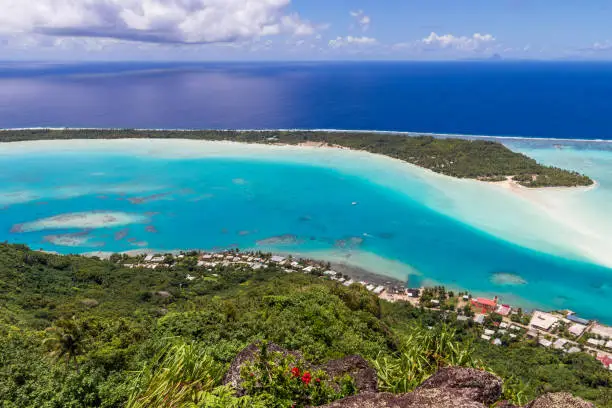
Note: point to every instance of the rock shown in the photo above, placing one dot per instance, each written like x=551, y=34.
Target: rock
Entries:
x=475, y=385
x=424, y=398
x=559, y=400
x=358, y=368
x=249, y=355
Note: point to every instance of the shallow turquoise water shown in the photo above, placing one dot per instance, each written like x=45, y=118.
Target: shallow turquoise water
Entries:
x=222, y=202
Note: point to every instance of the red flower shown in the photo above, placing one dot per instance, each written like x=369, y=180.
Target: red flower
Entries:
x=306, y=378
x=295, y=372
x=252, y=374
x=318, y=381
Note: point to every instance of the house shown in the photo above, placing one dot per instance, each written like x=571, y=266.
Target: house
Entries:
x=348, y=282
x=486, y=305
x=295, y=264
x=595, y=342
x=497, y=342
x=489, y=332
x=435, y=302
x=575, y=319
x=573, y=350
x=559, y=344
x=545, y=343
x=308, y=269
x=602, y=331
x=466, y=298
x=463, y=318
x=148, y=258
x=577, y=329
x=485, y=337
x=503, y=325
x=542, y=321
x=330, y=273
x=503, y=310
x=277, y=259
x=609, y=344
x=379, y=290
x=479, y=319
x=415, y=293
x=370, y=287
x=606, y=361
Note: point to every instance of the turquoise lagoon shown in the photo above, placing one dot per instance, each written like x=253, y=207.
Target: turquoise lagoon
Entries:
x=545, y=249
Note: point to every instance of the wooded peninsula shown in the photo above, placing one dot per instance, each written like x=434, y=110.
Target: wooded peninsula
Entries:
x=460, y=158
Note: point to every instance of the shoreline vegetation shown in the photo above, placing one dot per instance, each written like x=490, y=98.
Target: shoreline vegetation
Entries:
x=482, y=160
x=86, y=332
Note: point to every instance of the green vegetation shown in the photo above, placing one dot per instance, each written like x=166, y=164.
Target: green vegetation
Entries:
x=477, y=159
x=84, y=332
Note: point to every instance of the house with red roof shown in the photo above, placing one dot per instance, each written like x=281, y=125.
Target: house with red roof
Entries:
x=486, y=305
x=606, y=361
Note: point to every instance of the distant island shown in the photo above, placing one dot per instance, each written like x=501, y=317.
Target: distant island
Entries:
x=460, y=158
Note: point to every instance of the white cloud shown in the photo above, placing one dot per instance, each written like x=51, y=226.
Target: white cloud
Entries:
x=340, y=42
x=156, y=21
x=362, y=19
x=601, y=46
x=476, y=42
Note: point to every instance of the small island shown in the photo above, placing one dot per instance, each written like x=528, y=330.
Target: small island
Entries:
x=461, y=158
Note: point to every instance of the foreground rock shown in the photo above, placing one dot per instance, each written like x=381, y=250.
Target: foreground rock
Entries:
x=452, y=387
x=475, y=385
x=431, y=398
x=366, y=379
x=559, y=400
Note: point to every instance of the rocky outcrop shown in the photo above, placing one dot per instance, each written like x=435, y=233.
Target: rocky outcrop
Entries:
x=358, y=368
x=452, y=387
x=249, y=355
x=475, y=385
x=559, y=400
x=366, y=379
x=455, y=388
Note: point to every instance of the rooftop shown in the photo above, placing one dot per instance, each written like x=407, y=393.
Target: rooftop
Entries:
x=543, y=320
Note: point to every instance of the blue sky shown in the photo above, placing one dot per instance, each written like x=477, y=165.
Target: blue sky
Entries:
x=304, y=29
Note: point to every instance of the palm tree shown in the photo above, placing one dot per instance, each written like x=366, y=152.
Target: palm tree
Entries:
x=65, y=341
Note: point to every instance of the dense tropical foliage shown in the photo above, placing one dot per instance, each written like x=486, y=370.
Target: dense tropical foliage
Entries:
x=476, y=159
x=84, y=332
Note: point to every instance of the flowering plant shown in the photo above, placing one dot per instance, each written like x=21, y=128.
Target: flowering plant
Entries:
x=285, y=381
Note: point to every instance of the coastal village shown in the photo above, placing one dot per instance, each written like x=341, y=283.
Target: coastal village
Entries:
x=499, y=323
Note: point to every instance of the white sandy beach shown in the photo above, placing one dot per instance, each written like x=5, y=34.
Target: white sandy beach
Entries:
x=541, y=219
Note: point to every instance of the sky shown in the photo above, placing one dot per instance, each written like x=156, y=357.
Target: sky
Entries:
x=203, y=30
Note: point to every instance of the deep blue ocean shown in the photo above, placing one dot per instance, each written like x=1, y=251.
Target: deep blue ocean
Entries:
x=534, y=99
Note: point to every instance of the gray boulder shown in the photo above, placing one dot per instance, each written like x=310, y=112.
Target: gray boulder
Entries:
x=475, y=385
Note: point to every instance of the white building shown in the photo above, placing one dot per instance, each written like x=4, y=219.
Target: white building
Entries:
x=596, y=343
x=277, y=259
x=348, y=282
x=308, y=269
x=603, y=331
x=559, y=344
x=577, y=329
x=542, y=321
x=545, y=343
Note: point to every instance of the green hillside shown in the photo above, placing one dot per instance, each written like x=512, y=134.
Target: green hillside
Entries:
x=84, y=332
